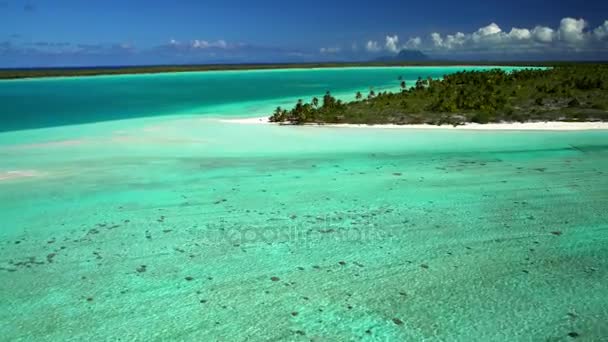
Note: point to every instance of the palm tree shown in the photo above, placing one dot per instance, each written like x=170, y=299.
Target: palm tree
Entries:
x=278, y=115
x=358, y=96
x=328, y=100
x=298, y=115
x=315, y=102
x=403, y=85
x=419, y=83
x=372, y=93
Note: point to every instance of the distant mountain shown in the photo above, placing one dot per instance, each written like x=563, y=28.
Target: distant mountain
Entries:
x=405, y=56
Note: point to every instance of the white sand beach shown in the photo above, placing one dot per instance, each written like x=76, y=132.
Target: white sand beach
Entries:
x=513, y=126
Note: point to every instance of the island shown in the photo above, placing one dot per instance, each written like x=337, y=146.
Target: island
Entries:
x=573, y=92
x=397, y=61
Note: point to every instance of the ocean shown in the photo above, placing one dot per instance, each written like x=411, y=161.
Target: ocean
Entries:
x=131, y=210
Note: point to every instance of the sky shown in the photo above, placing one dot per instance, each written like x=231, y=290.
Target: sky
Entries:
x=39, y=33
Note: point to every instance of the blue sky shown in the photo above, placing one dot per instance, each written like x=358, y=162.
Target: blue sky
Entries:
x=111, y=32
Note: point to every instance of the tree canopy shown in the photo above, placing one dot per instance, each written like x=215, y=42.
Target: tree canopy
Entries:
x=563, y=93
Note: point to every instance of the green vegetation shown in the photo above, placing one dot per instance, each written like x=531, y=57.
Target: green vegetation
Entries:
x=153, y=69
x=577, y=92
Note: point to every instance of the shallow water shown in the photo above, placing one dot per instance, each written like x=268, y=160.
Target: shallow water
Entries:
x=35, y=103
x=189, y=228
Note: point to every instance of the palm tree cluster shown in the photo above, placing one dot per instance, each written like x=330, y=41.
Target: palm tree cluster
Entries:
x=308, y=112
x=577, y=91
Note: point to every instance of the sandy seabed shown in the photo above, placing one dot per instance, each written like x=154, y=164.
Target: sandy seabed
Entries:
x=196, y=229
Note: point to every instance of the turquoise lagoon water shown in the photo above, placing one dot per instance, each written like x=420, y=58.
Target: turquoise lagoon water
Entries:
x=186, y=227
x=60, y=101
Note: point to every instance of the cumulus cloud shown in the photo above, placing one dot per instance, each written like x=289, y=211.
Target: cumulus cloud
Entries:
x=543, y=34
x=489, y=30
x=601, y=32
x=571, y=30
x=520, y=34
x=372, y=46
x=413, y=43
x=450, y=41
x=392, y=43
x=455, y=40
x=489, y=35
x=571, y=35
x=437, y=40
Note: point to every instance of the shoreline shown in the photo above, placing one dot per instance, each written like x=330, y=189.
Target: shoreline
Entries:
x=76, y=72
x=502, y=126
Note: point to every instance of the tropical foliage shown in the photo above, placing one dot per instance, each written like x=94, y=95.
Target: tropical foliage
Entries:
x=563, y=93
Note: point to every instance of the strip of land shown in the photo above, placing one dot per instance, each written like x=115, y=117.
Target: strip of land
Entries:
x=565, y=93
x=155, y=69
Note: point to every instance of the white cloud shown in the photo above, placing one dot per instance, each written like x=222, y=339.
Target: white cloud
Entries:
x=208, y=48
x=571, y=35
x=451, y=40
x=392, y=43
x=489, y=30
x=491, y=35
x=372, y=46
x=437, y=40
x=413, y=43
x=571, y=30
x=543, y=34
x=329, y=50
x=601, y=32
x=203, y=44
x=520, y=34
x=455, y=41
